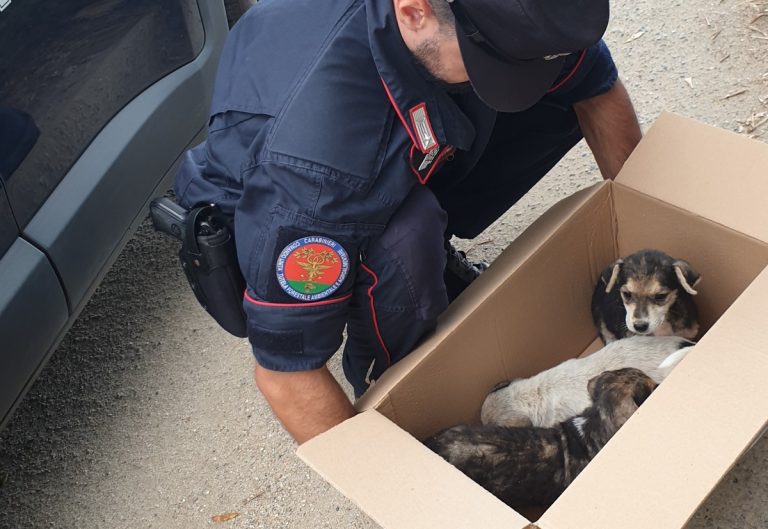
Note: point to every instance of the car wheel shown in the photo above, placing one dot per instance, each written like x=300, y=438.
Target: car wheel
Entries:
x=235, y=9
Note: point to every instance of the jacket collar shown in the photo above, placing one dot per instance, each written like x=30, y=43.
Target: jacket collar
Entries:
x=427, y=111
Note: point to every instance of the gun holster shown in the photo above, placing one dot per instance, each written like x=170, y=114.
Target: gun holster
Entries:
x=209, y=259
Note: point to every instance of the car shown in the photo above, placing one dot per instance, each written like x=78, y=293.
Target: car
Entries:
x=99, y=100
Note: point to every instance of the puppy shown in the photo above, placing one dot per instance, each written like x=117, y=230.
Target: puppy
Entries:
x=646, y=293
x=527, y=467
x=554, y=395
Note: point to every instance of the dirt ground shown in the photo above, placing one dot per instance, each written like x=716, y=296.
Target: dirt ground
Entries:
x=147, y=416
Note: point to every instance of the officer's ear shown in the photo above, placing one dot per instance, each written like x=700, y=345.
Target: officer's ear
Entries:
x=414, y=16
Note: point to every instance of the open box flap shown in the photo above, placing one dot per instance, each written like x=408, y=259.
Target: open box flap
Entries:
x=673, y=451
x=399, y=482
x=711, y=172
x=519, y=251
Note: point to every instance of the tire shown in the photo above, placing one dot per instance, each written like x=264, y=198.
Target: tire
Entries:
x=235, y=9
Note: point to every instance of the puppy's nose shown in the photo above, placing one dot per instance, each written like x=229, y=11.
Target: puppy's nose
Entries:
x=641, y=326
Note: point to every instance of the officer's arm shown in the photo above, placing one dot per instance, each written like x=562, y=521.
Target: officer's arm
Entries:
x=590, y=84
x=307, y=403
x=300, y=230
x=609, y=124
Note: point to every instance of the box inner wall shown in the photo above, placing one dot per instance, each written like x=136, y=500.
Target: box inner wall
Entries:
x=540, y=315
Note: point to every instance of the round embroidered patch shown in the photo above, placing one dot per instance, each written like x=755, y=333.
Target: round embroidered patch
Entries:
x=312, y=268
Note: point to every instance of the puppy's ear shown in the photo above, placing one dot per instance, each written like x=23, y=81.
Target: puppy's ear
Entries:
x=500, y=385
x=687, y=276
x=611, y=274
x=592, y=387
x=635, y=391
x=643, y=390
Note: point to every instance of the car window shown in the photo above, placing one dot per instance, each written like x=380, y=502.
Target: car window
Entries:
x=67, y=67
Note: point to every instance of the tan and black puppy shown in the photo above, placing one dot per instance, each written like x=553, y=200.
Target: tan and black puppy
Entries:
x=526, y=467
x=646, y=293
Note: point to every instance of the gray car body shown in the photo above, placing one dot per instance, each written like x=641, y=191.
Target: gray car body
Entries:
x=58, y=259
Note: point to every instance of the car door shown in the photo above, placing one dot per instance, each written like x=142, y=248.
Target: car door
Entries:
x=100, y=99
x=32, y=304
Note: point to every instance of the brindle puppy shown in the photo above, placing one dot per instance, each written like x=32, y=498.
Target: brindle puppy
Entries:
x=646, y=293
x=527, y=467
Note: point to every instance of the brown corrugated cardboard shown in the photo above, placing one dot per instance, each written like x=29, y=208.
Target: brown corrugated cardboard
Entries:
x=399, y=481
x=530, y=311
x=727, y=260
x=525, y=245
x=676, y=447
x=709, y=172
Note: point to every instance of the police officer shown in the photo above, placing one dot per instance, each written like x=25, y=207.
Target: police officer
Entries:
x=350, y=139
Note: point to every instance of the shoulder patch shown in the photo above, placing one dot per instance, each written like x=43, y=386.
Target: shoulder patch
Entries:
x=312, y=268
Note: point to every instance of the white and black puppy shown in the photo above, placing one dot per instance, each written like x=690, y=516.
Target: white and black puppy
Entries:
x=646, y=293
x=527, y=467
x=555, y=394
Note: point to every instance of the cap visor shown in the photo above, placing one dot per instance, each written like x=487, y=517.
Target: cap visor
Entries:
x=507, y=86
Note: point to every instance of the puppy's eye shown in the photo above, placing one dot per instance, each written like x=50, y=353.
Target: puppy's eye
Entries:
x=660, y=298
x=627, y=296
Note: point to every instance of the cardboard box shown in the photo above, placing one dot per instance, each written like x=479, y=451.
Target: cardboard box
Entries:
x=695, y=192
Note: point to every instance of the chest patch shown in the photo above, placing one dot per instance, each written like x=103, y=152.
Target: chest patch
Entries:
x=312, y=268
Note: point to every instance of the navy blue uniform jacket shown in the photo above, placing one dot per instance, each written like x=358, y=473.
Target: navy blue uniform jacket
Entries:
x=321, y=124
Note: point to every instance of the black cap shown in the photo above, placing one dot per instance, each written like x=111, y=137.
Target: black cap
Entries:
x=513, y=50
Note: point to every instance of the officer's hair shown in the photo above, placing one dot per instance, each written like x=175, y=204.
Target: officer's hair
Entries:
x=444, y=15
